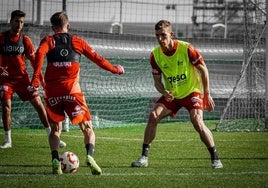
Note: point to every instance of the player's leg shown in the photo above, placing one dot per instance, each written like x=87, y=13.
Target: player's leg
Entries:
x=83, y=119
x=66, y=124
x=40, y=109
x=89, y=140
x=54, y=141
x=206, y=136
x=55, y=115
x=158, y=113
x=6, y=118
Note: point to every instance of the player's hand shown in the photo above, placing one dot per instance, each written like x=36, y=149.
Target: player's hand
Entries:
x=35, y=82
x=169, y=96
x=120, y=69
x=3, y=71
x=42, y=80
x=208, y=102
x=31, y=88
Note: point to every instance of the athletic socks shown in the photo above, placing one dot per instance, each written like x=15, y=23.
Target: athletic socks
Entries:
x=48, y=130
x=145, y=150
x=90, y=149
x=213, y=153
x=8, y=136
x=55, y=155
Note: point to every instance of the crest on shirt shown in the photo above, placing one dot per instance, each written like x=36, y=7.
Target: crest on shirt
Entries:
x=64, y=52
x=165, y=66
x=180, y=63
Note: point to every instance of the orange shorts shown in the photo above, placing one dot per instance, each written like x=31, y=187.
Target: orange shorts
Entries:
x=192, y=101
x=21, y=86
x=73, y=104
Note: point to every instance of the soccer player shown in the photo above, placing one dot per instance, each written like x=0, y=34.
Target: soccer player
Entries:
x=63, y=93
x=181, y=76
x=15, y=47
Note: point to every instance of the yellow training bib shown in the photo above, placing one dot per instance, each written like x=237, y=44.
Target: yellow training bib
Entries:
x=180, y=75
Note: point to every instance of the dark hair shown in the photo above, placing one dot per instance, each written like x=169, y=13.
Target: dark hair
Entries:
x=17, y=13
x=162, y=24
x=59, y=19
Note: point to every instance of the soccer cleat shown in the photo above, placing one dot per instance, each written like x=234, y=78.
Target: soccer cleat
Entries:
x=216, y=164
x=141, y=162
x=62, y=144
x=6, y=145
x=95, y=169
x=56, y=167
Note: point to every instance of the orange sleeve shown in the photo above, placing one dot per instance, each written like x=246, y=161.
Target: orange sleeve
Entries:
x=29, y=48
x=155, y=69
x=82, y=47
x=194, y=56
x=40, y=55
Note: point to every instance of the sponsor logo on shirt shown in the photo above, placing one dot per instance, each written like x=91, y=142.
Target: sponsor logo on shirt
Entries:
x=177, y=80
x=196, y=104
x=195, y=99
x=12, y=49
x=77, y=111
x=62, y=64
x=55, y=100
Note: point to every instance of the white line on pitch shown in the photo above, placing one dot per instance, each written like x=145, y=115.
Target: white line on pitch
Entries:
x=145, y=174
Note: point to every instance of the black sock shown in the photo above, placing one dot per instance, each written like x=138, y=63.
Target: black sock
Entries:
x=55, y=155
x=145, y=149
x=213, y=153
x=90, y=149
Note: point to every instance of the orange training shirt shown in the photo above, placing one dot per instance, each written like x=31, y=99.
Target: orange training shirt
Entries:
x=62, y=78
x=16, y=65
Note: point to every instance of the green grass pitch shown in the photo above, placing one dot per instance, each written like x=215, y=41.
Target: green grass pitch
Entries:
x=177, y=159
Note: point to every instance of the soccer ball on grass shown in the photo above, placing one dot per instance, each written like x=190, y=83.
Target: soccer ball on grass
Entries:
x=69, y=162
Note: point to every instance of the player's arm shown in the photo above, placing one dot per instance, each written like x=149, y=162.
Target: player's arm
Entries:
x=207, y=100
x=157, y=76
x=38, y=62
x=198, y=61
x=30, y=54
x=29, y=49
x=3, y=70
x=91, y=54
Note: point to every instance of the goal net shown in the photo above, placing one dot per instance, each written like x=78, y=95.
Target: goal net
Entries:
x=123, y=32
x=245, y=108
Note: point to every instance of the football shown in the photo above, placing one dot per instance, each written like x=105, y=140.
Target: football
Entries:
x=69, y=162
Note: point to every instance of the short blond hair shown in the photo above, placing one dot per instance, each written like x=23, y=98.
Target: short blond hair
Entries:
x=59, y=19
x=163, y=24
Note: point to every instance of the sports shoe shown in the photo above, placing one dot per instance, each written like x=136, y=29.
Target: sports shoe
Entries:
x=216, y=164
x=56, y=167
x=95, y=169
x=6, y=145
x=62, y=144
x=141, y=162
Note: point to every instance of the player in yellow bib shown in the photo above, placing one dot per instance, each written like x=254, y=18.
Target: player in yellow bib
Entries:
x=181, y=76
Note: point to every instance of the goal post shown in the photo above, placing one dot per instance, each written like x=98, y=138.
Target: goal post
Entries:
x=245, y=109
x=266, y=68
x=123, y=32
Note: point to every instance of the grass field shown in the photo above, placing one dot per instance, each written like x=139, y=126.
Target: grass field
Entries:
x=177, y=159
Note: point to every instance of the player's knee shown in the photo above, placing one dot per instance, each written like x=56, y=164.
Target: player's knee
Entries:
x=86, y=126
x=55, y=127
x=197, y=122
x=7, y=109
x=153, y=117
